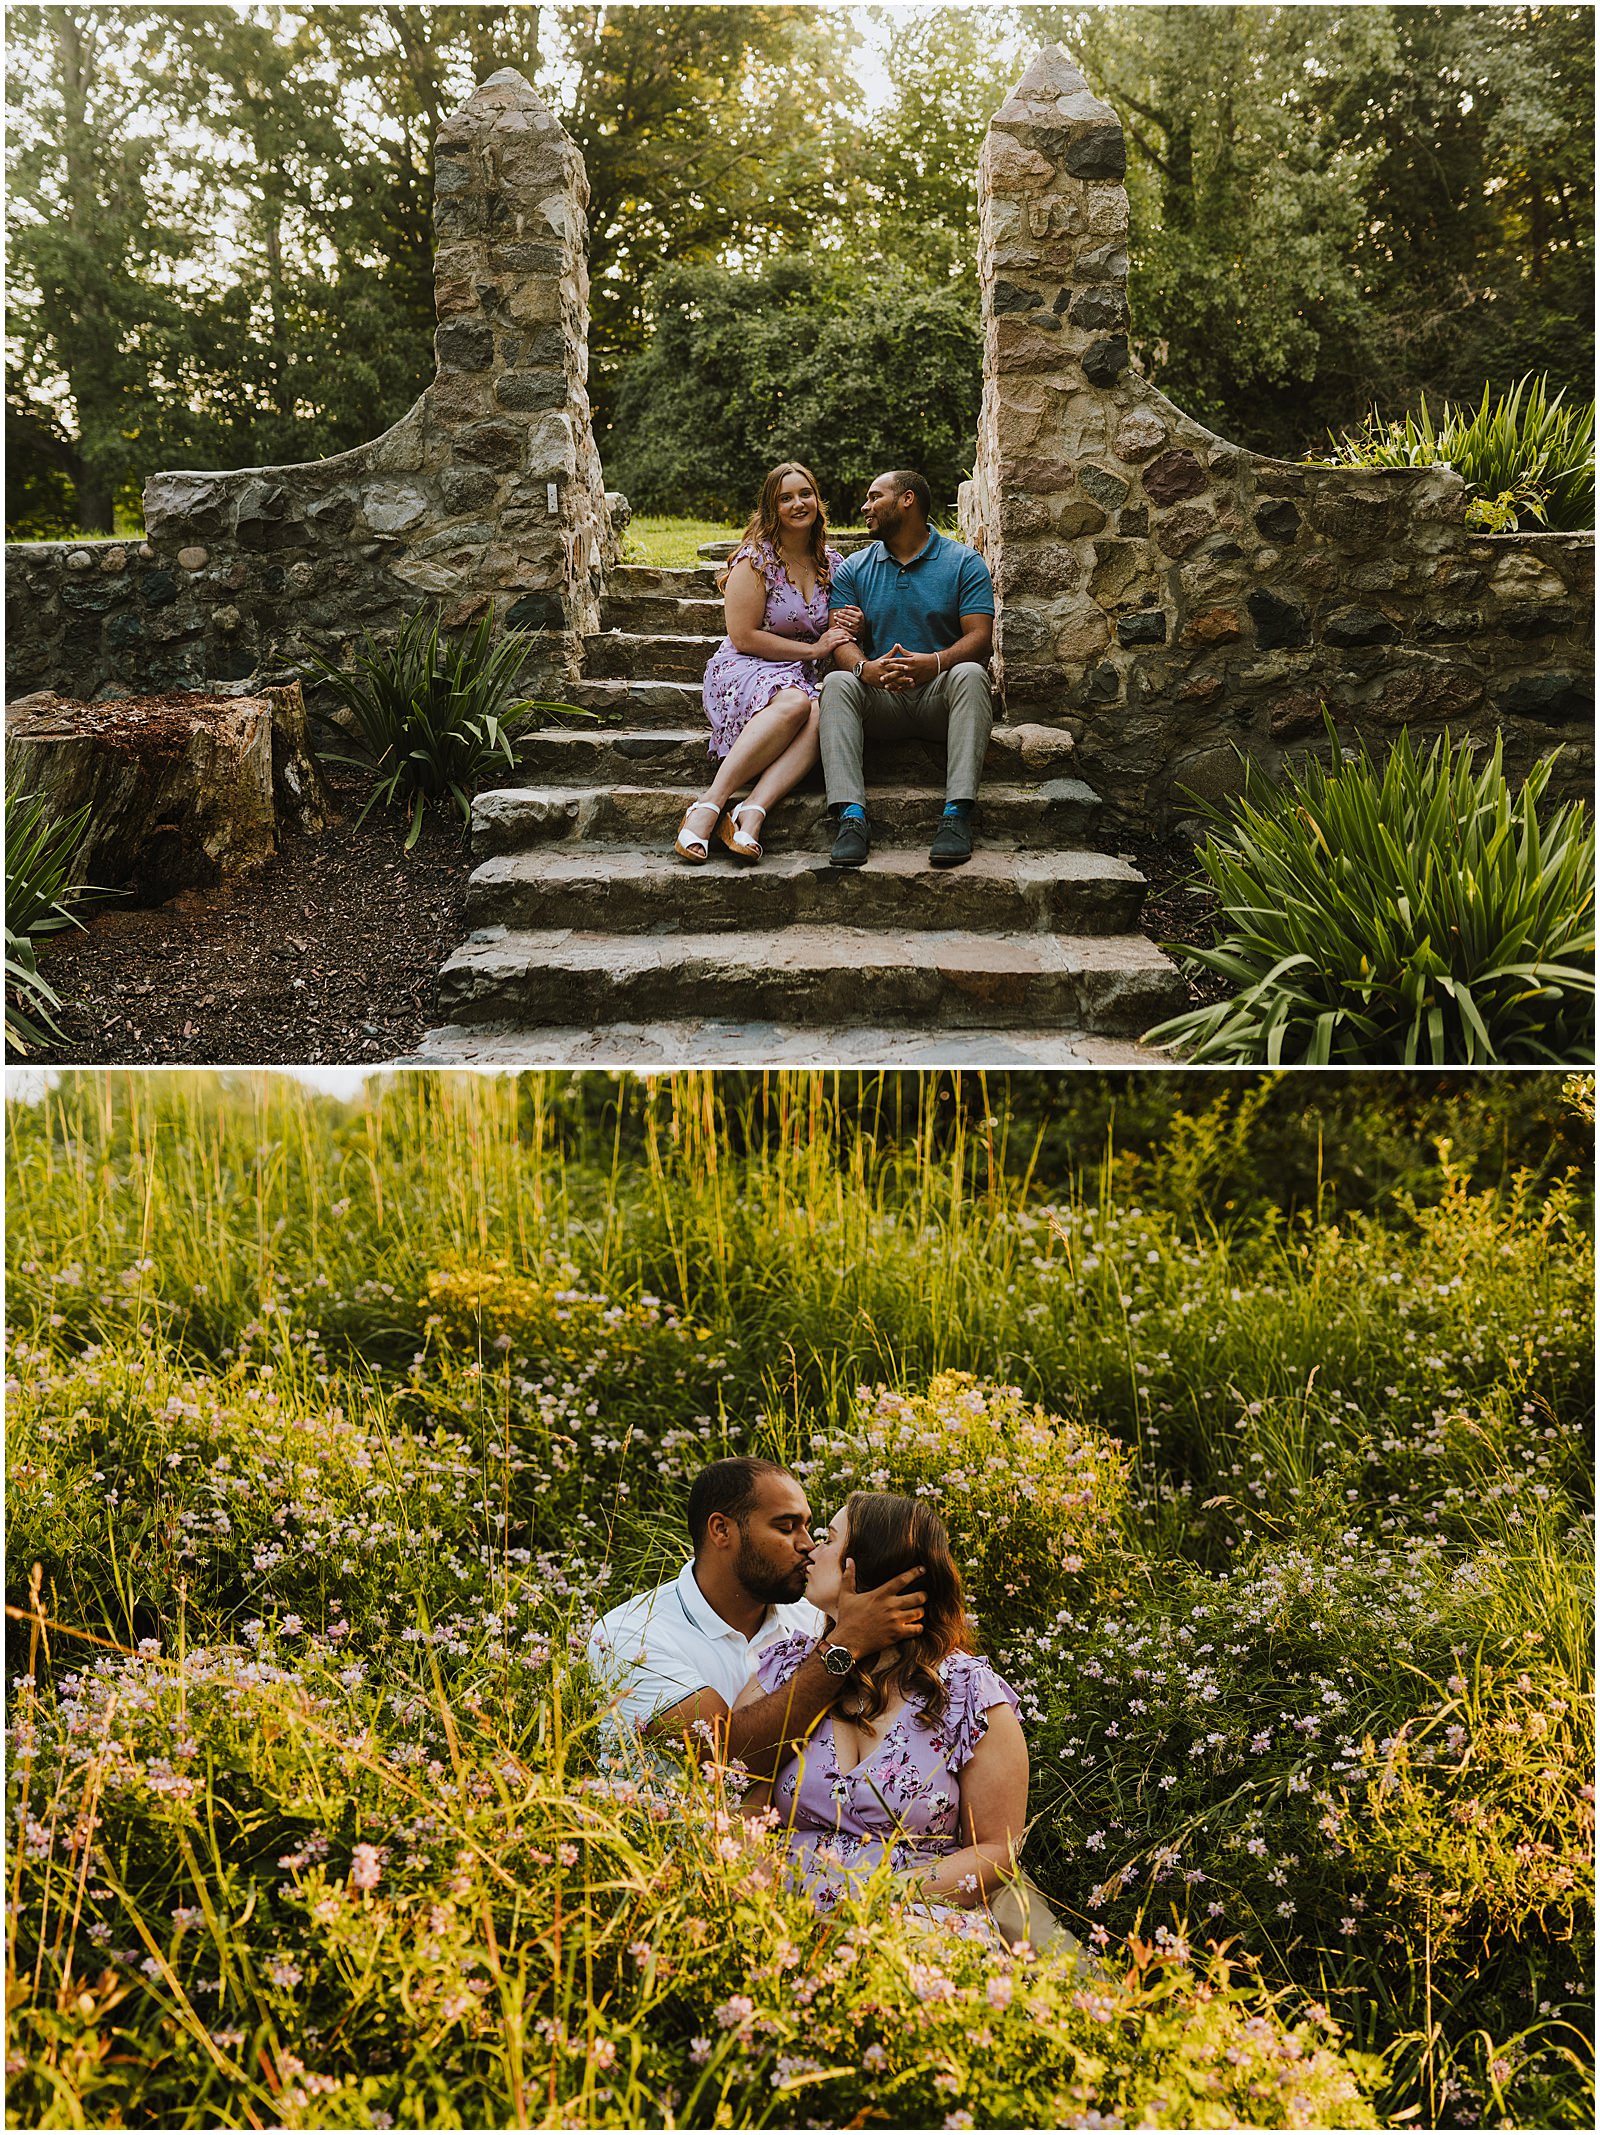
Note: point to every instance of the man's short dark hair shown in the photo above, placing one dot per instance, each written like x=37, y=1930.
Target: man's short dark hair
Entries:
x=727, y=1486
x=905, y=478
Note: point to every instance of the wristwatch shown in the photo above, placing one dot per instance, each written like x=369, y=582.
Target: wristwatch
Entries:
x=855, y=675
x=838, y=1660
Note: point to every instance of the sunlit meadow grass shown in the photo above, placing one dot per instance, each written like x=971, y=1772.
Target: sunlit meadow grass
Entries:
x=331, y=1429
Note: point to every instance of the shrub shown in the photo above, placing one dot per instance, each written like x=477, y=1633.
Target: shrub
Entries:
x=40, y=849
x=431, y=718
x=1033, y=1500
x=1419, y=912
x=309, y=1891
x=1522, y=459
x=744, y=369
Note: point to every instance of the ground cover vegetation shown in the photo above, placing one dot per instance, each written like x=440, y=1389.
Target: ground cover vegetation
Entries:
x=41, y=892
x=220, y=239
x=1414, y=910
x=1260, y=1409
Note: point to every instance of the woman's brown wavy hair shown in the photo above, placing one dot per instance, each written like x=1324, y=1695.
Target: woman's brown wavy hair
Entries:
x=888, y=1534
x=764, y=525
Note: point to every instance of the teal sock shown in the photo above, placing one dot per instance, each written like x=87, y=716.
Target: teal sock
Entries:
x=961, y=808
x=852, y=812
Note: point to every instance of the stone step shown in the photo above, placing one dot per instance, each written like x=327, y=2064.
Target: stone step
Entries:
x=597, y=756
x=845, y=541
x=667, y=612
x=620, y=655
x=1055, y=813
x=632, y=580
x=639, y=703
x=710, y=1043
x=1118, y=984
x=638, y=893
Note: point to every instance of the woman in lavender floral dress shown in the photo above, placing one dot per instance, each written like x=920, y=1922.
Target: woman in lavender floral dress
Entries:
x=922, y=1760
x=762, y=683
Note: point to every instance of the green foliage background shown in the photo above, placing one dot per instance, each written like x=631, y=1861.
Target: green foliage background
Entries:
x=219, y=220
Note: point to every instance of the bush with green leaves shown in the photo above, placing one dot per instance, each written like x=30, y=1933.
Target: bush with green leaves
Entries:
x=431, y=717
x=1032, y=1501
x=40, y=894
x=1419, y=912
x=787, y=362
x=341, y=1891
x=1525, y=458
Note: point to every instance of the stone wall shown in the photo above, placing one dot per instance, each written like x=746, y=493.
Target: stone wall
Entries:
x=1174, y=598
x=488, y=492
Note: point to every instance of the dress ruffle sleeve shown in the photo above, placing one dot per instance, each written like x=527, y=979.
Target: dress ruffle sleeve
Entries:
x=975, y=1689
x=765, y=558
x=777, y=1662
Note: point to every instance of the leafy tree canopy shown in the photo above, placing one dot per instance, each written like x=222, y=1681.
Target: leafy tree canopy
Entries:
x=798, y=360
x=220, y=216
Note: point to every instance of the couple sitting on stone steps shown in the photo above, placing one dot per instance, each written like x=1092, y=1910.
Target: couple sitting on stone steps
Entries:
x=825, y=651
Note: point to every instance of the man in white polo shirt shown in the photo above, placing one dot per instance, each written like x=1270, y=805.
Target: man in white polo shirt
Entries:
x=676, y=1658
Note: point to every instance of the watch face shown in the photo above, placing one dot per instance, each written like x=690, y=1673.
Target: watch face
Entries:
x=837, y=1660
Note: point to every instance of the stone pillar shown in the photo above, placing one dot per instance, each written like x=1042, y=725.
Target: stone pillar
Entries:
x=1181, y=601
x=507, y=417
x=1053, y=270
x=487, y=493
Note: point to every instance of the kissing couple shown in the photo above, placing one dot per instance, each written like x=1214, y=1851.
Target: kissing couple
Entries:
x=837, y=1670
x=824, y=652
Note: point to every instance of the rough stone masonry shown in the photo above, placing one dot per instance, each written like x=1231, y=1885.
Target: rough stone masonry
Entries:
x=487, y=492
x=1177, y=600
x=1169, y=596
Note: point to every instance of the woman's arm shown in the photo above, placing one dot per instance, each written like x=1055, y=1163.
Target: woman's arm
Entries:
x=744, y=605
x=992, y=1817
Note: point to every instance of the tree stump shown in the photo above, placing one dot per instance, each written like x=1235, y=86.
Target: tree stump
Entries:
x=183, y=791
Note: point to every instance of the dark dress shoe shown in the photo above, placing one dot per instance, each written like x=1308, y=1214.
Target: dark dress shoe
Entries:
x=952, y=841
x=852, y=843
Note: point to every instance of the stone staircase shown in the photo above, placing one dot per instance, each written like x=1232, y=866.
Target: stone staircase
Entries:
x=591, y=943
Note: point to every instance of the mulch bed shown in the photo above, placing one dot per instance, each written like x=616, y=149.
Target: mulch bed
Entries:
x=1180, y=907
x=331, y=953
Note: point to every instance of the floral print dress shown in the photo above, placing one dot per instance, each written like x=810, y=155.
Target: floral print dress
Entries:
x=903, y=1799
x=738, y=684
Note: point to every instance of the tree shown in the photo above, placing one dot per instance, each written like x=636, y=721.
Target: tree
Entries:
x=90, y=239
x=796, y=361
x=1335, y=206
x=709, y=133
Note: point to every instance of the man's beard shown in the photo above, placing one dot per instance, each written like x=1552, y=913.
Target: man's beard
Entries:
x=761, y=1578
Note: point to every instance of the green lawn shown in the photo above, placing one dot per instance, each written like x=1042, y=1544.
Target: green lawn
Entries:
x=672, y=544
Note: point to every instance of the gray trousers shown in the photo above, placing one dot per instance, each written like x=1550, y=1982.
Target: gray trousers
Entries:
x=956, y=708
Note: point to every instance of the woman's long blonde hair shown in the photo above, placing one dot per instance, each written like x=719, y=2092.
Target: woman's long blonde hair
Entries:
x=764, y=524
x=887, y=1534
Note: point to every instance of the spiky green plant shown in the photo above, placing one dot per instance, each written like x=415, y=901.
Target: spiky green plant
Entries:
x=1525, y=457
x=40, y=892
x=1416, y=911
x=431, y=716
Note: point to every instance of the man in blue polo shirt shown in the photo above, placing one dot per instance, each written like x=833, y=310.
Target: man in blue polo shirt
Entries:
x=922, y=609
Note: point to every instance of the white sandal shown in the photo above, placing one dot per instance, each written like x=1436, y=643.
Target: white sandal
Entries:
x=733, y=834
x=689, y=845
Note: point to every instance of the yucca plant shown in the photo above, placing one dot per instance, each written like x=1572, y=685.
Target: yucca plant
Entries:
x=1526, y=456
x=1413, y=912
x=432, y=715
x=40, y=892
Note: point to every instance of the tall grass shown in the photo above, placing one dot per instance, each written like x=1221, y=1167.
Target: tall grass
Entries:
x=331, y=1427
